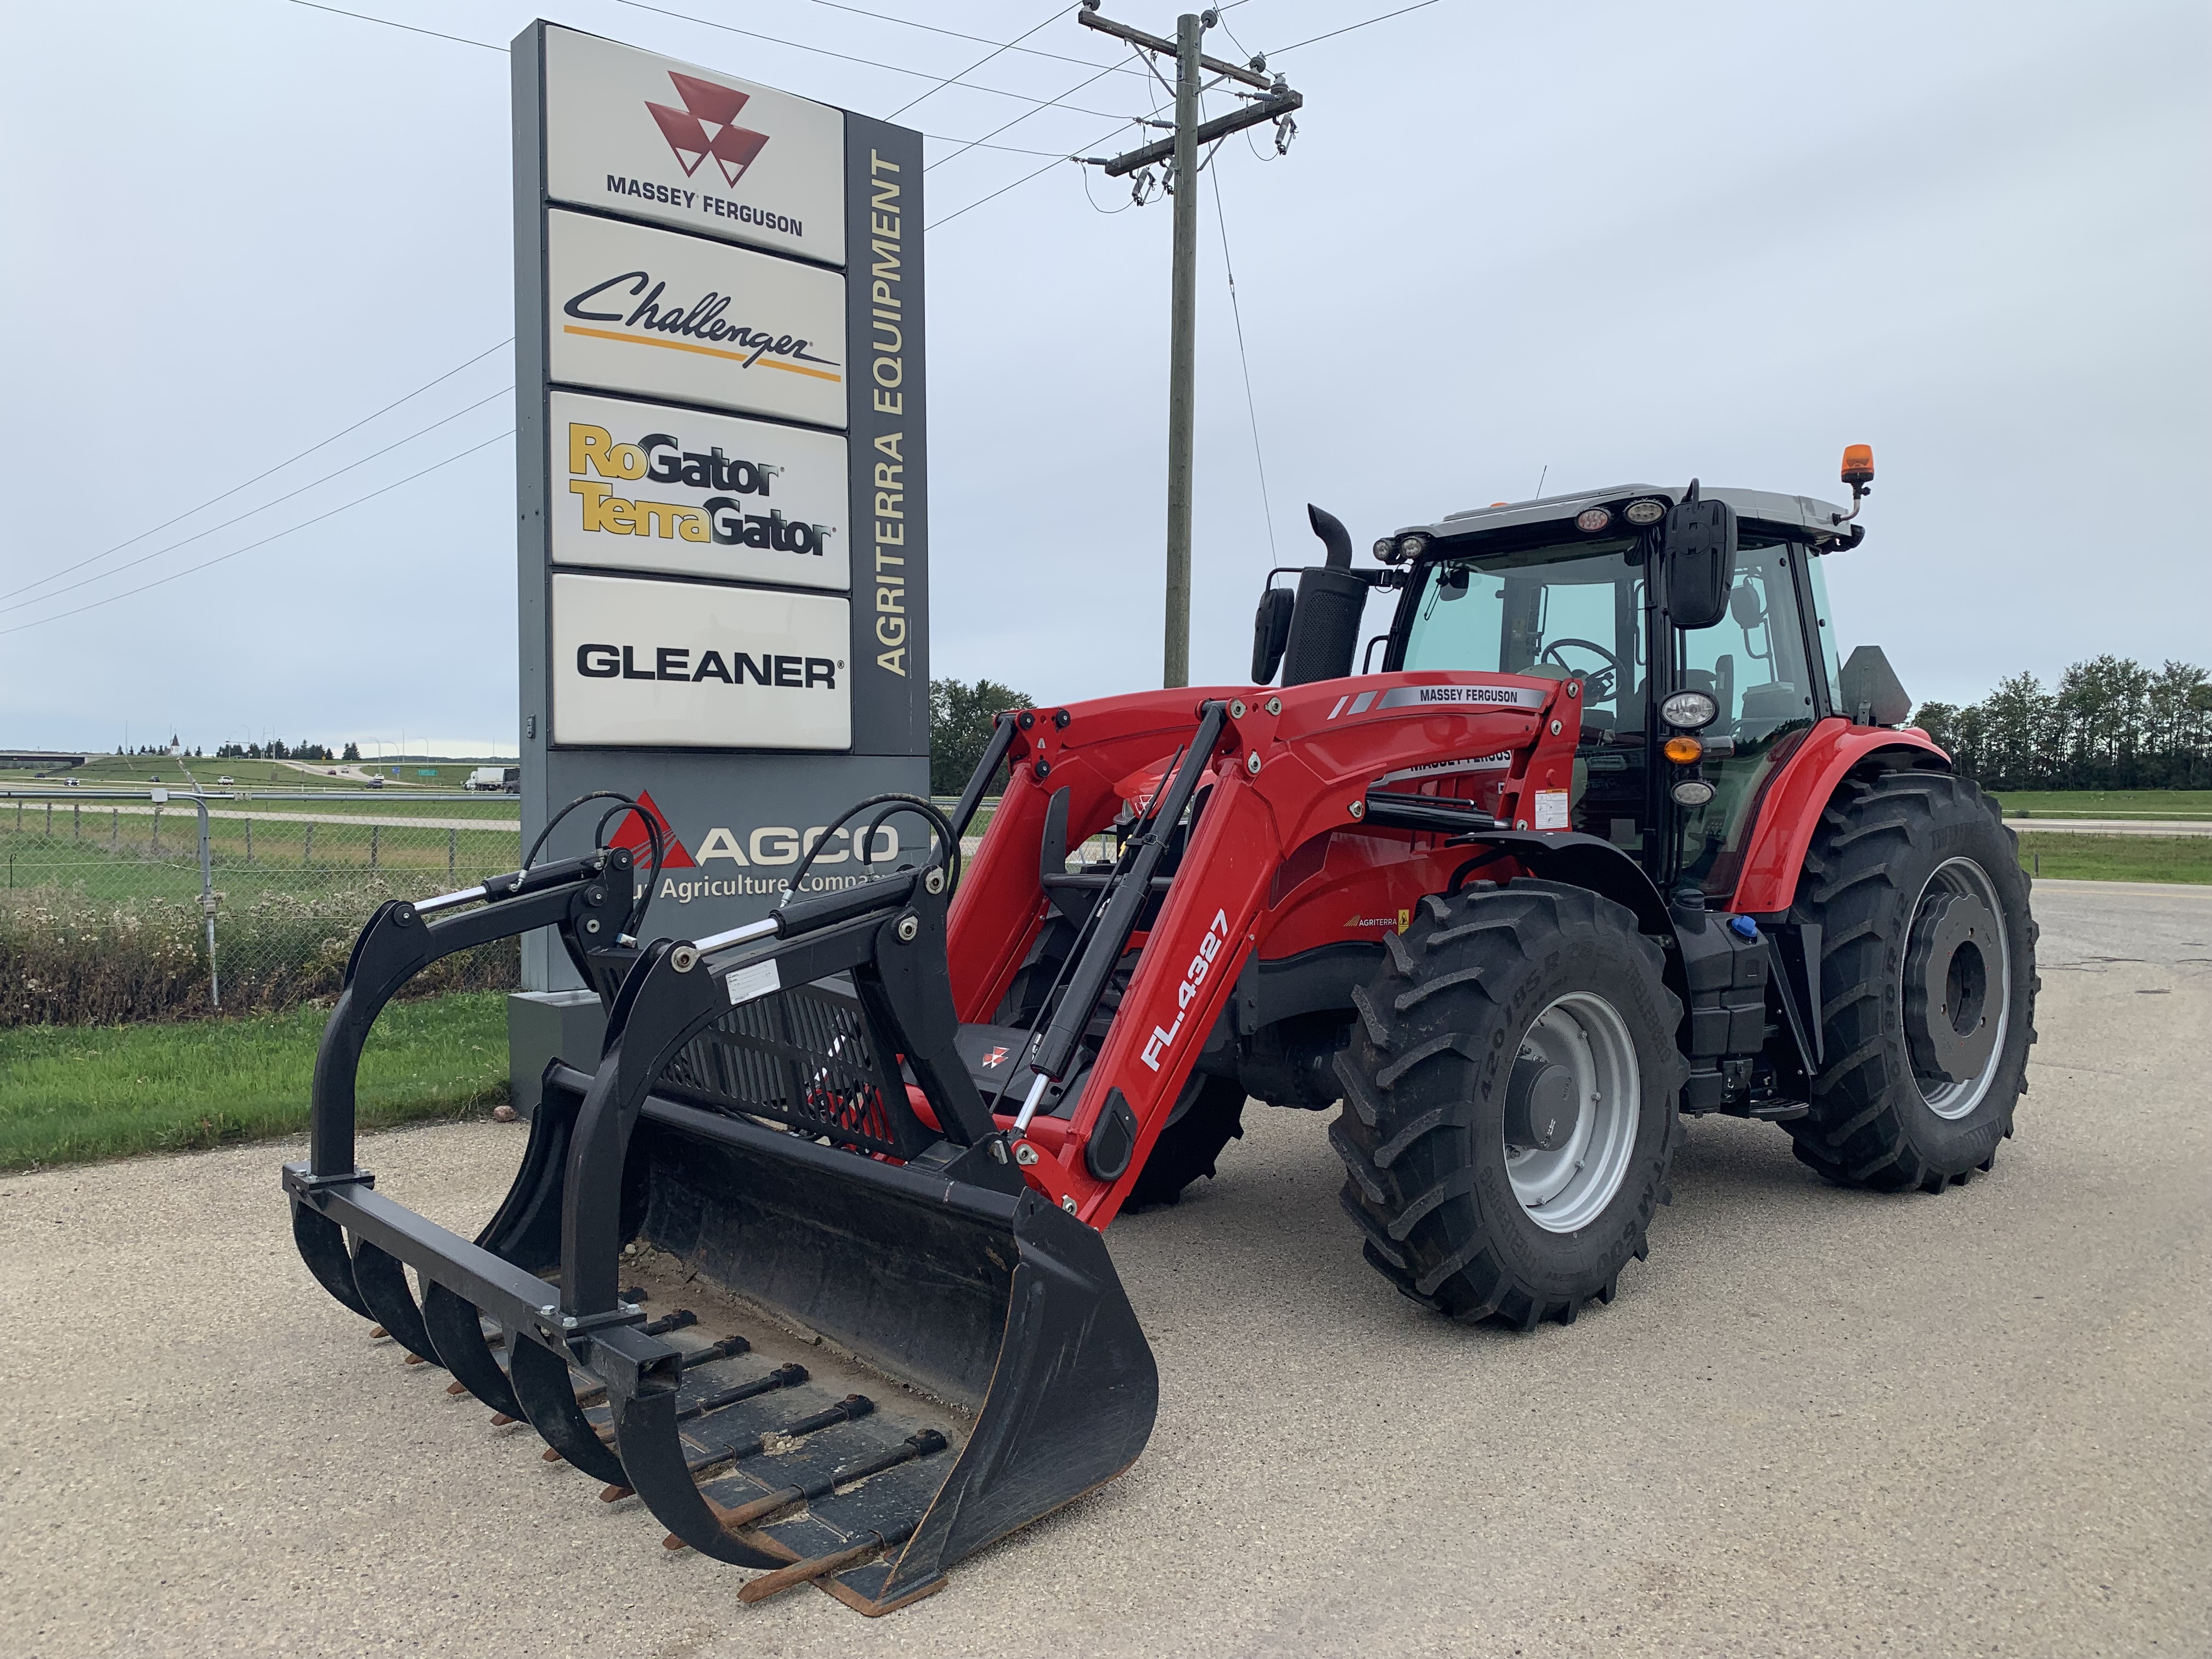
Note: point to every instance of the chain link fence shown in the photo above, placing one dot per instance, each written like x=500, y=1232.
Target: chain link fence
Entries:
x=165, y=904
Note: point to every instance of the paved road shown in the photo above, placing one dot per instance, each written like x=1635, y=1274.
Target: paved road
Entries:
x=2113, y=826
x=1816, y=1422
x=182, y=809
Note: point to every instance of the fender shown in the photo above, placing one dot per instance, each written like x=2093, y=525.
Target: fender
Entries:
x=1797, y=794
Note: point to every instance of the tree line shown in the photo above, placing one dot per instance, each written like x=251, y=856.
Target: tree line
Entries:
x=2110, y=723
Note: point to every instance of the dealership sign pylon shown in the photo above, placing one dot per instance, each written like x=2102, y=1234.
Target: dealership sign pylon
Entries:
x=723, y=549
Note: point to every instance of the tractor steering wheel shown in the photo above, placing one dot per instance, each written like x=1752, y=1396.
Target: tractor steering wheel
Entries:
x=1600, y=681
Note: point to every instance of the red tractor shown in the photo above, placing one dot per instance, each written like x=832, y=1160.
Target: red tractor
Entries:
x=1610, y=839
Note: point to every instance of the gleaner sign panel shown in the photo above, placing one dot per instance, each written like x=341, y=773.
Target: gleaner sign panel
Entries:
x=646, y=487
x=689, y=665
x=662, y=315
x=654, y=138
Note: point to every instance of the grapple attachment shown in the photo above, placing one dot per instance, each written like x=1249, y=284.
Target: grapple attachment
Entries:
x=781, y=1110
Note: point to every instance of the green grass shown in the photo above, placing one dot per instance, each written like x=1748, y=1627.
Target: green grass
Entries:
x=72, y=1093
x=2185, y=859
x=2107, y=803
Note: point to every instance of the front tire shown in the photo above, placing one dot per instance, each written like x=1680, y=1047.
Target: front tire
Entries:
x=1927, y=983
x=1510, y=1100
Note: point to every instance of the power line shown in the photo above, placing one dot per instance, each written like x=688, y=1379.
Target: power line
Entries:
x=1023, y=117
x=132, y=564
x=979, y=64
x=980, y=40
x=264, y=542
x=869, y=63
x=258, y=477
x=1251, y=407
x=458, y=40
x=1348, y=27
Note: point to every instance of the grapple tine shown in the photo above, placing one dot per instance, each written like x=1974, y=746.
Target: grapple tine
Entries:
x=322, y=1246
x=456, y=1327
x=383, y=1284
x=540, y=1379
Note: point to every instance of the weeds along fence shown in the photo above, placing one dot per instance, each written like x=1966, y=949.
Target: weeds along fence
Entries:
x=164, y=904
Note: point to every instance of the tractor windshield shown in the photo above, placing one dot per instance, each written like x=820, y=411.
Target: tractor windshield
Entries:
x=1534, y=609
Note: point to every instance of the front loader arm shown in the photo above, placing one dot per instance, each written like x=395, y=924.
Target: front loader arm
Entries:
x=1291, y=766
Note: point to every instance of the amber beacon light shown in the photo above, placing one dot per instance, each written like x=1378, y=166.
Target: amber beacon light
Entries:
x=1858, y=473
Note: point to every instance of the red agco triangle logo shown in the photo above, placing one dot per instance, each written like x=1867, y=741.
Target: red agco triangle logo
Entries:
x=631, y=833
x=703, y=127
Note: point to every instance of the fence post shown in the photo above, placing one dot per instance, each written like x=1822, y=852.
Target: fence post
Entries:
x=76, y=821
x=207, y=903
x=372, y=845
x=114, y=829
x=157, y=830
x=50, y=820
x=249, y=838
x=307, y=852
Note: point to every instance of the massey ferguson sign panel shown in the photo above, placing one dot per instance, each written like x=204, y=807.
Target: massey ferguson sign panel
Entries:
x=648, y=311
x=646, y=487
x=689, y=666
x=653, y=138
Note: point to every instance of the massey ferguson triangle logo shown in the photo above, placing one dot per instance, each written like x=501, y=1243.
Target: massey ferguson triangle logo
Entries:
x=704, y=127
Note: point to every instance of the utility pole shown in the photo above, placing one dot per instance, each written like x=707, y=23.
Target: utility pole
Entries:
x=1181, y=151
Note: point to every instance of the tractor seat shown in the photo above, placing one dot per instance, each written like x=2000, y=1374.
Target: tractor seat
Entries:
x=1766, y=707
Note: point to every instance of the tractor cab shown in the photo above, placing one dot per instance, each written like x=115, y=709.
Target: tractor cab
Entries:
x=1696, y=621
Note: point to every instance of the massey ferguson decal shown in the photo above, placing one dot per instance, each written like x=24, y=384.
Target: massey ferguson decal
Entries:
x=1209, y=949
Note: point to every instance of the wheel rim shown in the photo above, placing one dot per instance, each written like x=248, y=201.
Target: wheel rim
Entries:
x=1953, y=1100
x=1564, y=1187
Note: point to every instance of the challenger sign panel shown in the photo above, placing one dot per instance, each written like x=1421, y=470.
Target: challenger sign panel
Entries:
x=632, y=309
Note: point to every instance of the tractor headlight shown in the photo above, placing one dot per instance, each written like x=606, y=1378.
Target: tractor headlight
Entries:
x=1591, y=520
x=1645, y=512
x=1692, y=792
x=1689, y=711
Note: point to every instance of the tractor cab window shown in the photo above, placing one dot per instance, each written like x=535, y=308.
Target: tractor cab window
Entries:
x=1533, y=612
x=1755, y=664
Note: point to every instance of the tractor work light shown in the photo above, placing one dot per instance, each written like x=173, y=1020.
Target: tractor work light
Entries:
x=1690, y=711
x=1591, y=520
x=1645, y=512
x=1683, y=750
x=1412, y=547
x=1386, y=549
x=1692, y=792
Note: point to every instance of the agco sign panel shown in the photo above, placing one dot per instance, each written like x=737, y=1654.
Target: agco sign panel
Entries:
x=666, y=316
x=646, y=487
x=639, y=662
x=652, y=138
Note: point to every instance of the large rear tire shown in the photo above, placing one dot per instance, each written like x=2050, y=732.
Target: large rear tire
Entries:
x=1927, y=983
x=1511, y=1099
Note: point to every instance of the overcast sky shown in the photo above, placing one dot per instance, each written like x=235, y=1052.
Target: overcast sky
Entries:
x=1589, y=243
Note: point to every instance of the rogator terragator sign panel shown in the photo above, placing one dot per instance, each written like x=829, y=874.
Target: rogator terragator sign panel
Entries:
x=724, y=528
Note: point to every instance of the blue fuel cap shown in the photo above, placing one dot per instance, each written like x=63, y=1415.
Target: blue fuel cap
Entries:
x=1743, y=927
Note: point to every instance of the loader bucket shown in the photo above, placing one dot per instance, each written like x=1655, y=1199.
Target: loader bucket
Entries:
x=751, y=1116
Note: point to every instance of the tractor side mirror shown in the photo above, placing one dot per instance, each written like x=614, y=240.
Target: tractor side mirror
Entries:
x=1700, y=554
x=1271, y=632
x=1744, y=608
